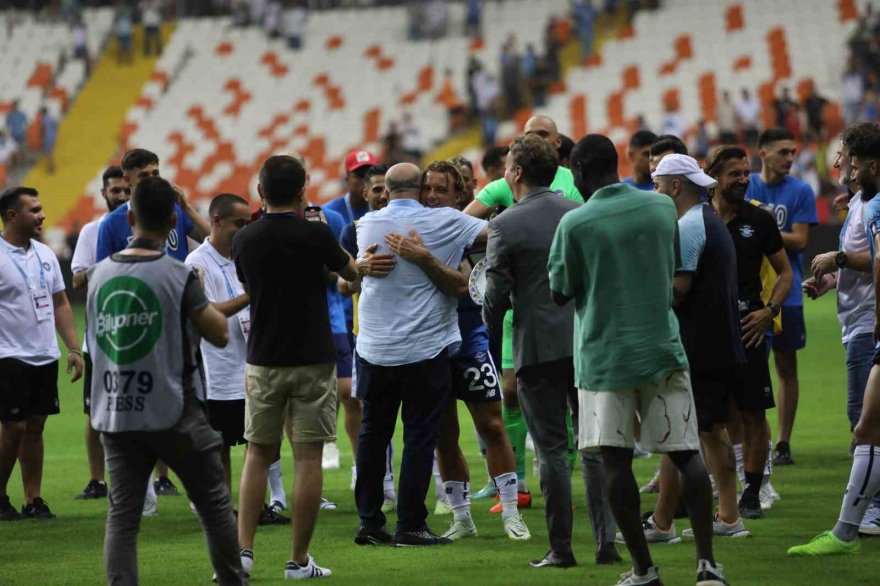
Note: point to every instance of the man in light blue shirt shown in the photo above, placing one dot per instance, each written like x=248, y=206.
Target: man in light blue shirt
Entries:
x=408, y=329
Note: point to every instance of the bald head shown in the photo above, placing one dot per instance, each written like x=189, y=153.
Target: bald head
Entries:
x=544, y=128
x=403, y=181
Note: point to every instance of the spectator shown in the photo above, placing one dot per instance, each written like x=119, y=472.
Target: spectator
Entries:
x=584, y=16
x=510, y=76
x=493, y=163
x=49, y=136
x=17, y=124
x=672, y=121
x=748, y=114
x=391, y=140
x=529, y=62
x=487, y=92
x=814, y=106
x=80, y=39
x=436, y=18
x=257, y=11
x=473, y=18
x=124, y=31
x=700, y=141
x=272, y=19
x=415, y=11
x=152, y=20
x=726, y=119
x=552, y=46
x=473, y=67
x=8, y=149
x=853, y=87
x=294, y=24
x=410, y=137
x=449, y=98
x=787, y=112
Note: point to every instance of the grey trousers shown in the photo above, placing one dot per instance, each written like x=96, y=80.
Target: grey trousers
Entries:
x=595, y=482
x=192, y=449
x=542, y=391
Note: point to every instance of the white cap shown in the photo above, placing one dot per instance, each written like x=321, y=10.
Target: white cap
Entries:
x=674, y=164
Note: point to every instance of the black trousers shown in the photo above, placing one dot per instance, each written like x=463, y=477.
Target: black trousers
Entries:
x=421, y=390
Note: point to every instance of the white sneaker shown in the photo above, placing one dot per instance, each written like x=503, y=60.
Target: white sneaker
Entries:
x=722, y=529
x=390, y=503
x=247, y=561
x=192, y=508
x=773, y=493
x=653, y=534
x=653, y=485
x=709, y=575
x=327, y=505
x=330, y=459
x=870, y=524
x=151, y=507
x=652, y=578
x=293, y=571
x=516, y=528
x=460, y=530
x=354, y=477
x=766, y=498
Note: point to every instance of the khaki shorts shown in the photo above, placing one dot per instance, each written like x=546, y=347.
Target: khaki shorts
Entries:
x=665, y=408
x=304, y=396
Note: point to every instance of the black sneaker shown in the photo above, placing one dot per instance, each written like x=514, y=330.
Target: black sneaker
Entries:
x=782, y=454
x=164, y=487
x=418, y=539
x=606, y=553
x=270, y=516
x=95, y=489
x=38, y=509
x=378, y=536
x=7, y=511
x=709, y=574
x=750, y=506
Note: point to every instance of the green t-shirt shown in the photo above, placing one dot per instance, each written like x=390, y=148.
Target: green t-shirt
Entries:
x=498, y=192
x=616, y=256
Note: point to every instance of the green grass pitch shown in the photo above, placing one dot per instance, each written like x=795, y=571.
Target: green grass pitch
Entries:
x=68, y=550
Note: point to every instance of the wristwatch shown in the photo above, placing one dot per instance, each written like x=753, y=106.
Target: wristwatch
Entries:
x=774, y=309
x=841, y=259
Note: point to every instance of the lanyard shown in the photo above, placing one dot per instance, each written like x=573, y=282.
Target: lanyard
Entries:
x=229, y=288
x=22, y=272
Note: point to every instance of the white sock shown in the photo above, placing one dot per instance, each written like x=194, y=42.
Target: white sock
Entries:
x=389, y=471
x=458, y=497
x=354, y=476
x=438, y=482
x=864, y=482
x=768, y=467
x=151, y=489
x=740, y=470
x=276, y=484
x=507, y=485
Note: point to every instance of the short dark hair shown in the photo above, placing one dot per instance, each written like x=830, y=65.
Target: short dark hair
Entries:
x=111, y=172
x=11, y=199
x=153, y=203
x=460, y=161
x=595, y=155
x=537, y=158
x=448, y=168
x=863, y=139
x=668, y=143
x=493, y=157
x=138, y=159
x=642, y=138
x=720, y=155
x=379, y=169
x=282, y=179
x=222, y=204
x=566, y=145
x=772, y=135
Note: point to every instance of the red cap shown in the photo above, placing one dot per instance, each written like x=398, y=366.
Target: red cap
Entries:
x=357, y=159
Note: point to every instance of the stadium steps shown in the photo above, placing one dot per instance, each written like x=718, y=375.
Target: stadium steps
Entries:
x=88, y=136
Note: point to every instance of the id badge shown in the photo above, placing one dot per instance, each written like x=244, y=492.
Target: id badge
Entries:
x=245, y=322
x=42, y=304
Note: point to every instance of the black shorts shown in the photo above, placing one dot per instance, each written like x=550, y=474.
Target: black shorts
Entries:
x=27, y=390
x=475, y=378
x=343, y=355
x=227, y=417
x=756, y=392
x=713, y=391
x=793, y=336
x=87, y=383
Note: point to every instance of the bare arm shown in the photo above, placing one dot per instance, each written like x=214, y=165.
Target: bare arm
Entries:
x=478, y=209
x=826, y=263
x=211, y=325
x=201, y=226
x=80, y=280
x=796, y=240
x=349, y=272
x=452, y=282
x=483, y=236
x=784, y=277
x=681, y=286
x=756, y=324
x=64, y=324
x=233, y=306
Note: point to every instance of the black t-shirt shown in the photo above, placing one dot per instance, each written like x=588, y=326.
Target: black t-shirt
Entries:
x=280, y=258
x=755, y=235
x=708, y=317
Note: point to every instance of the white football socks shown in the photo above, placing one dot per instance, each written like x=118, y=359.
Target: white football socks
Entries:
x=507, y=486
x=276, y=484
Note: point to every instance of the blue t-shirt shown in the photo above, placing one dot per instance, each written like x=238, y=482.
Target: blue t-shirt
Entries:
x=114, y=234
x=647, y=186
x=793, y=202
x=334, y=298
x=346, y=209
x=871, y=215
x=16, y=122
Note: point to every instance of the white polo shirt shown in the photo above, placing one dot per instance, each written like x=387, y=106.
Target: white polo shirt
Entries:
x=85, y=252
x=22, y=274
x=224, y=367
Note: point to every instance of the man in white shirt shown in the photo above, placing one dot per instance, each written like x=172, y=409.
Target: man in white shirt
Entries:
x=748, y=113
x=32, y=307
x=115, y=192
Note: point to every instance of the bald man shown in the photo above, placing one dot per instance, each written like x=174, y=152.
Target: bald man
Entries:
x=408, y=329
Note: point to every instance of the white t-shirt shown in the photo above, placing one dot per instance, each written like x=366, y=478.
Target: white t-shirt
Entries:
x=85, y=252
x=224, y=367
x=25, y=274
x=855, y=289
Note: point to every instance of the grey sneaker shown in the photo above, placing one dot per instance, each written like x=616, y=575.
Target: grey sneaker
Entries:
x=722, y=529
x=652, y=578
x=654, y=534
x=709, y=575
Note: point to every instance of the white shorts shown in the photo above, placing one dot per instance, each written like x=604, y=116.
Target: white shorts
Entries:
x=665, y=408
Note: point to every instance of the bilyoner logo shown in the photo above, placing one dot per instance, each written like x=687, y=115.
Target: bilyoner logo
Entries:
x=129, y=320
